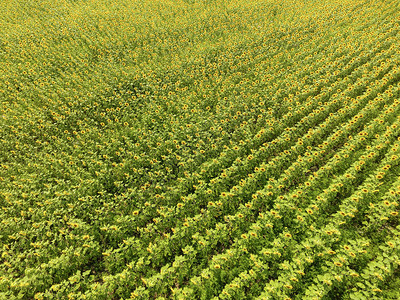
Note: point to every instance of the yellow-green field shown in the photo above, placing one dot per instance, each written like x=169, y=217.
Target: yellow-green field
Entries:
x=199, y=149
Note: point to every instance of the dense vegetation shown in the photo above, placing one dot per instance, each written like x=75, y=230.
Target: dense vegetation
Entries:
x=199, y=149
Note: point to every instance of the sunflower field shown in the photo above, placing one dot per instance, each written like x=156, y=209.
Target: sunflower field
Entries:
x=199, y=149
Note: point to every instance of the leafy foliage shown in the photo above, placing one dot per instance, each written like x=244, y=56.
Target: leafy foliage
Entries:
x=199, y=149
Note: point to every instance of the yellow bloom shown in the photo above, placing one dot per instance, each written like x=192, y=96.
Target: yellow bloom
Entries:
x=288, y=286
x=390, y=244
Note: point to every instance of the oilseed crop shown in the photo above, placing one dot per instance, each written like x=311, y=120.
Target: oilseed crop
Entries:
x=199, y=149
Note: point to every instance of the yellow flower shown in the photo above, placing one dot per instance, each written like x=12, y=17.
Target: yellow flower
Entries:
x=390, y=244
x=288, y=286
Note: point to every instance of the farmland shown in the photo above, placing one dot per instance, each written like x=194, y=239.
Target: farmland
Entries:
x=199, y=149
